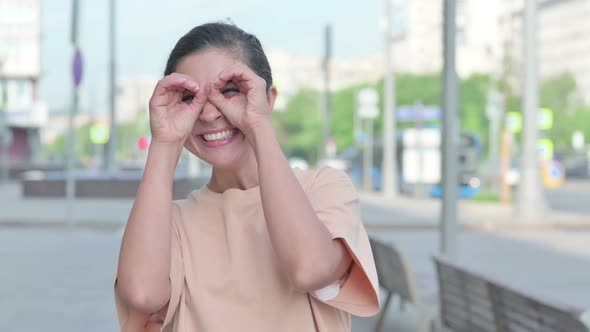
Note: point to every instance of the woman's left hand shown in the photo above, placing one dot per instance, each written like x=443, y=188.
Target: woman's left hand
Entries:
x=242, y=97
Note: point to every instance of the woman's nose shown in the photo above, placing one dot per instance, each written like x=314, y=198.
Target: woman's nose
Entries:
x=210, y=113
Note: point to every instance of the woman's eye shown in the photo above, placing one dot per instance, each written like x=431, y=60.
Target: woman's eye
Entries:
x=188, y=98
x=229, y=92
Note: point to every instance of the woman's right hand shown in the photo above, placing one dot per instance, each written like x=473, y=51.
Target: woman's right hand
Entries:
x=174, y=107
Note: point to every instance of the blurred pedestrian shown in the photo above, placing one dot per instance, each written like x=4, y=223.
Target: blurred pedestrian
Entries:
x=262, y=246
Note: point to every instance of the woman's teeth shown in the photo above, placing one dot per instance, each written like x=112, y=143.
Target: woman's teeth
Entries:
x=220, y=135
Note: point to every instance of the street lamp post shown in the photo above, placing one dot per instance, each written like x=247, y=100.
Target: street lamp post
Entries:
x=327, y=96
x=71, y=149
x=4, y=134
x=111, y=154
x=450, y=135
x=389, y=183
x=368, y=110
x=531, y=202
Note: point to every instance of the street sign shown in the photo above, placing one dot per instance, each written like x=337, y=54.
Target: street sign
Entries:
x=553, y=174
x=494, y=105
x=513, y=122
x=143, y=143
x=578, y=140
x=545, y=119
x=418, y=113
x=368, y=100
x=77, y=68
x=99, y=133
x=545, y=149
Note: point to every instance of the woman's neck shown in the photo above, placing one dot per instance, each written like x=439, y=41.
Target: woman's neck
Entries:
x=244, y=176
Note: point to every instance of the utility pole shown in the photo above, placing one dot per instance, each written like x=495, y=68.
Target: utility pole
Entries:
x=531, y=201
x=111, y=155
x=327, y=97
x=5, y=131
x=367, y=111
x=71, y=151
x=389, y=167
x=450, y=135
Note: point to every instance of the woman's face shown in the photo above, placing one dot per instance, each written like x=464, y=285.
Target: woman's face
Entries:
x=213, y=138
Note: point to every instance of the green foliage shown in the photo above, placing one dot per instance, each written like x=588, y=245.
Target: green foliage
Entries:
x=343, y=108
x=83, y=146
x=560, y=93
x=472, y=105
x=299, y=127
x=127, y=136
x=486, y=196
x=425, y=89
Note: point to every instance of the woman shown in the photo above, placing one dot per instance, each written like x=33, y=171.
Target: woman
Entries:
x=261, y=247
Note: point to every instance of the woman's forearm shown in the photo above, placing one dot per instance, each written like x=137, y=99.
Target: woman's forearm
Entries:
x=144, y=261
x=301, y=240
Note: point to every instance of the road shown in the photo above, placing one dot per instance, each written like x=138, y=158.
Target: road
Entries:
x=54, y=279
x=573, y=196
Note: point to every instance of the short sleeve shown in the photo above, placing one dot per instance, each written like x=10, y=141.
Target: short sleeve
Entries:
x=176, y=269
x=176, y=282
x=336, y=202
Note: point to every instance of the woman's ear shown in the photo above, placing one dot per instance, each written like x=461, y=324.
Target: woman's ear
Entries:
x=272, y=96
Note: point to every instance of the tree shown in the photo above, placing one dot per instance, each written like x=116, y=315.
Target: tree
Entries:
x=560, y=94
x=299, y=127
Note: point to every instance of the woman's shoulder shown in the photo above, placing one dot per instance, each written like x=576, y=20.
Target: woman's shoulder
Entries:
x=321, y=176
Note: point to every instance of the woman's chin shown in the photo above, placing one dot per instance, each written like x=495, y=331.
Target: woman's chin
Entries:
x=225, y=162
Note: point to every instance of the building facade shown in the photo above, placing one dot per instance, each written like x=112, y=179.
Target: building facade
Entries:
x=294, y=73
x=564, y=41
x=563, y=37
x=21, y=112
x=418, y=32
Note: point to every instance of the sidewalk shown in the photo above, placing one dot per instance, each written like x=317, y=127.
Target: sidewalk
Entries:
x=554, y=263
x=378, y=212
x=18, y=211
x=414, y=213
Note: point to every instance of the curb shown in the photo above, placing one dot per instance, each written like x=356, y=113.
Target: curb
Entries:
x=485, y=226
x=91, y=224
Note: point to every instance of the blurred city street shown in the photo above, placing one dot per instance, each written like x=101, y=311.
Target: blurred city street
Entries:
x=63, y=275
x=464, y=125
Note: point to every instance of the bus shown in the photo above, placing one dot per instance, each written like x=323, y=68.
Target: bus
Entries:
x=469, y=157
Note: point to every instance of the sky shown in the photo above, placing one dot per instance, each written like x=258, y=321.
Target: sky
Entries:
x=147, y=30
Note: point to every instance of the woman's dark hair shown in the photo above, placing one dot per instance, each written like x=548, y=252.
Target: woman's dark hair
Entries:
x=225, y=36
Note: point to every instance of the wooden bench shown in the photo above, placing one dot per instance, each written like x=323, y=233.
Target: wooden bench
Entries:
x=396, y=278
x=472, y=302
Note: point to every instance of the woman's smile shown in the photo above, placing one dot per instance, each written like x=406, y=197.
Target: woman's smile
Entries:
x=217, y=138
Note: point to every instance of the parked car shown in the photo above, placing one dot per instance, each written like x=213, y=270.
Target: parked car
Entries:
x=577, y=165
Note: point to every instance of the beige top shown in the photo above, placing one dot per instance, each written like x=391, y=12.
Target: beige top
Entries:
x=225, y=275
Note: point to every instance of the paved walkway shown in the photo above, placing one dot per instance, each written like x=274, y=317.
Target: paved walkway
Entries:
x=414, y=213
x=17, y=210
x=545, y=255
x=64, y=277
x=401, y=212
